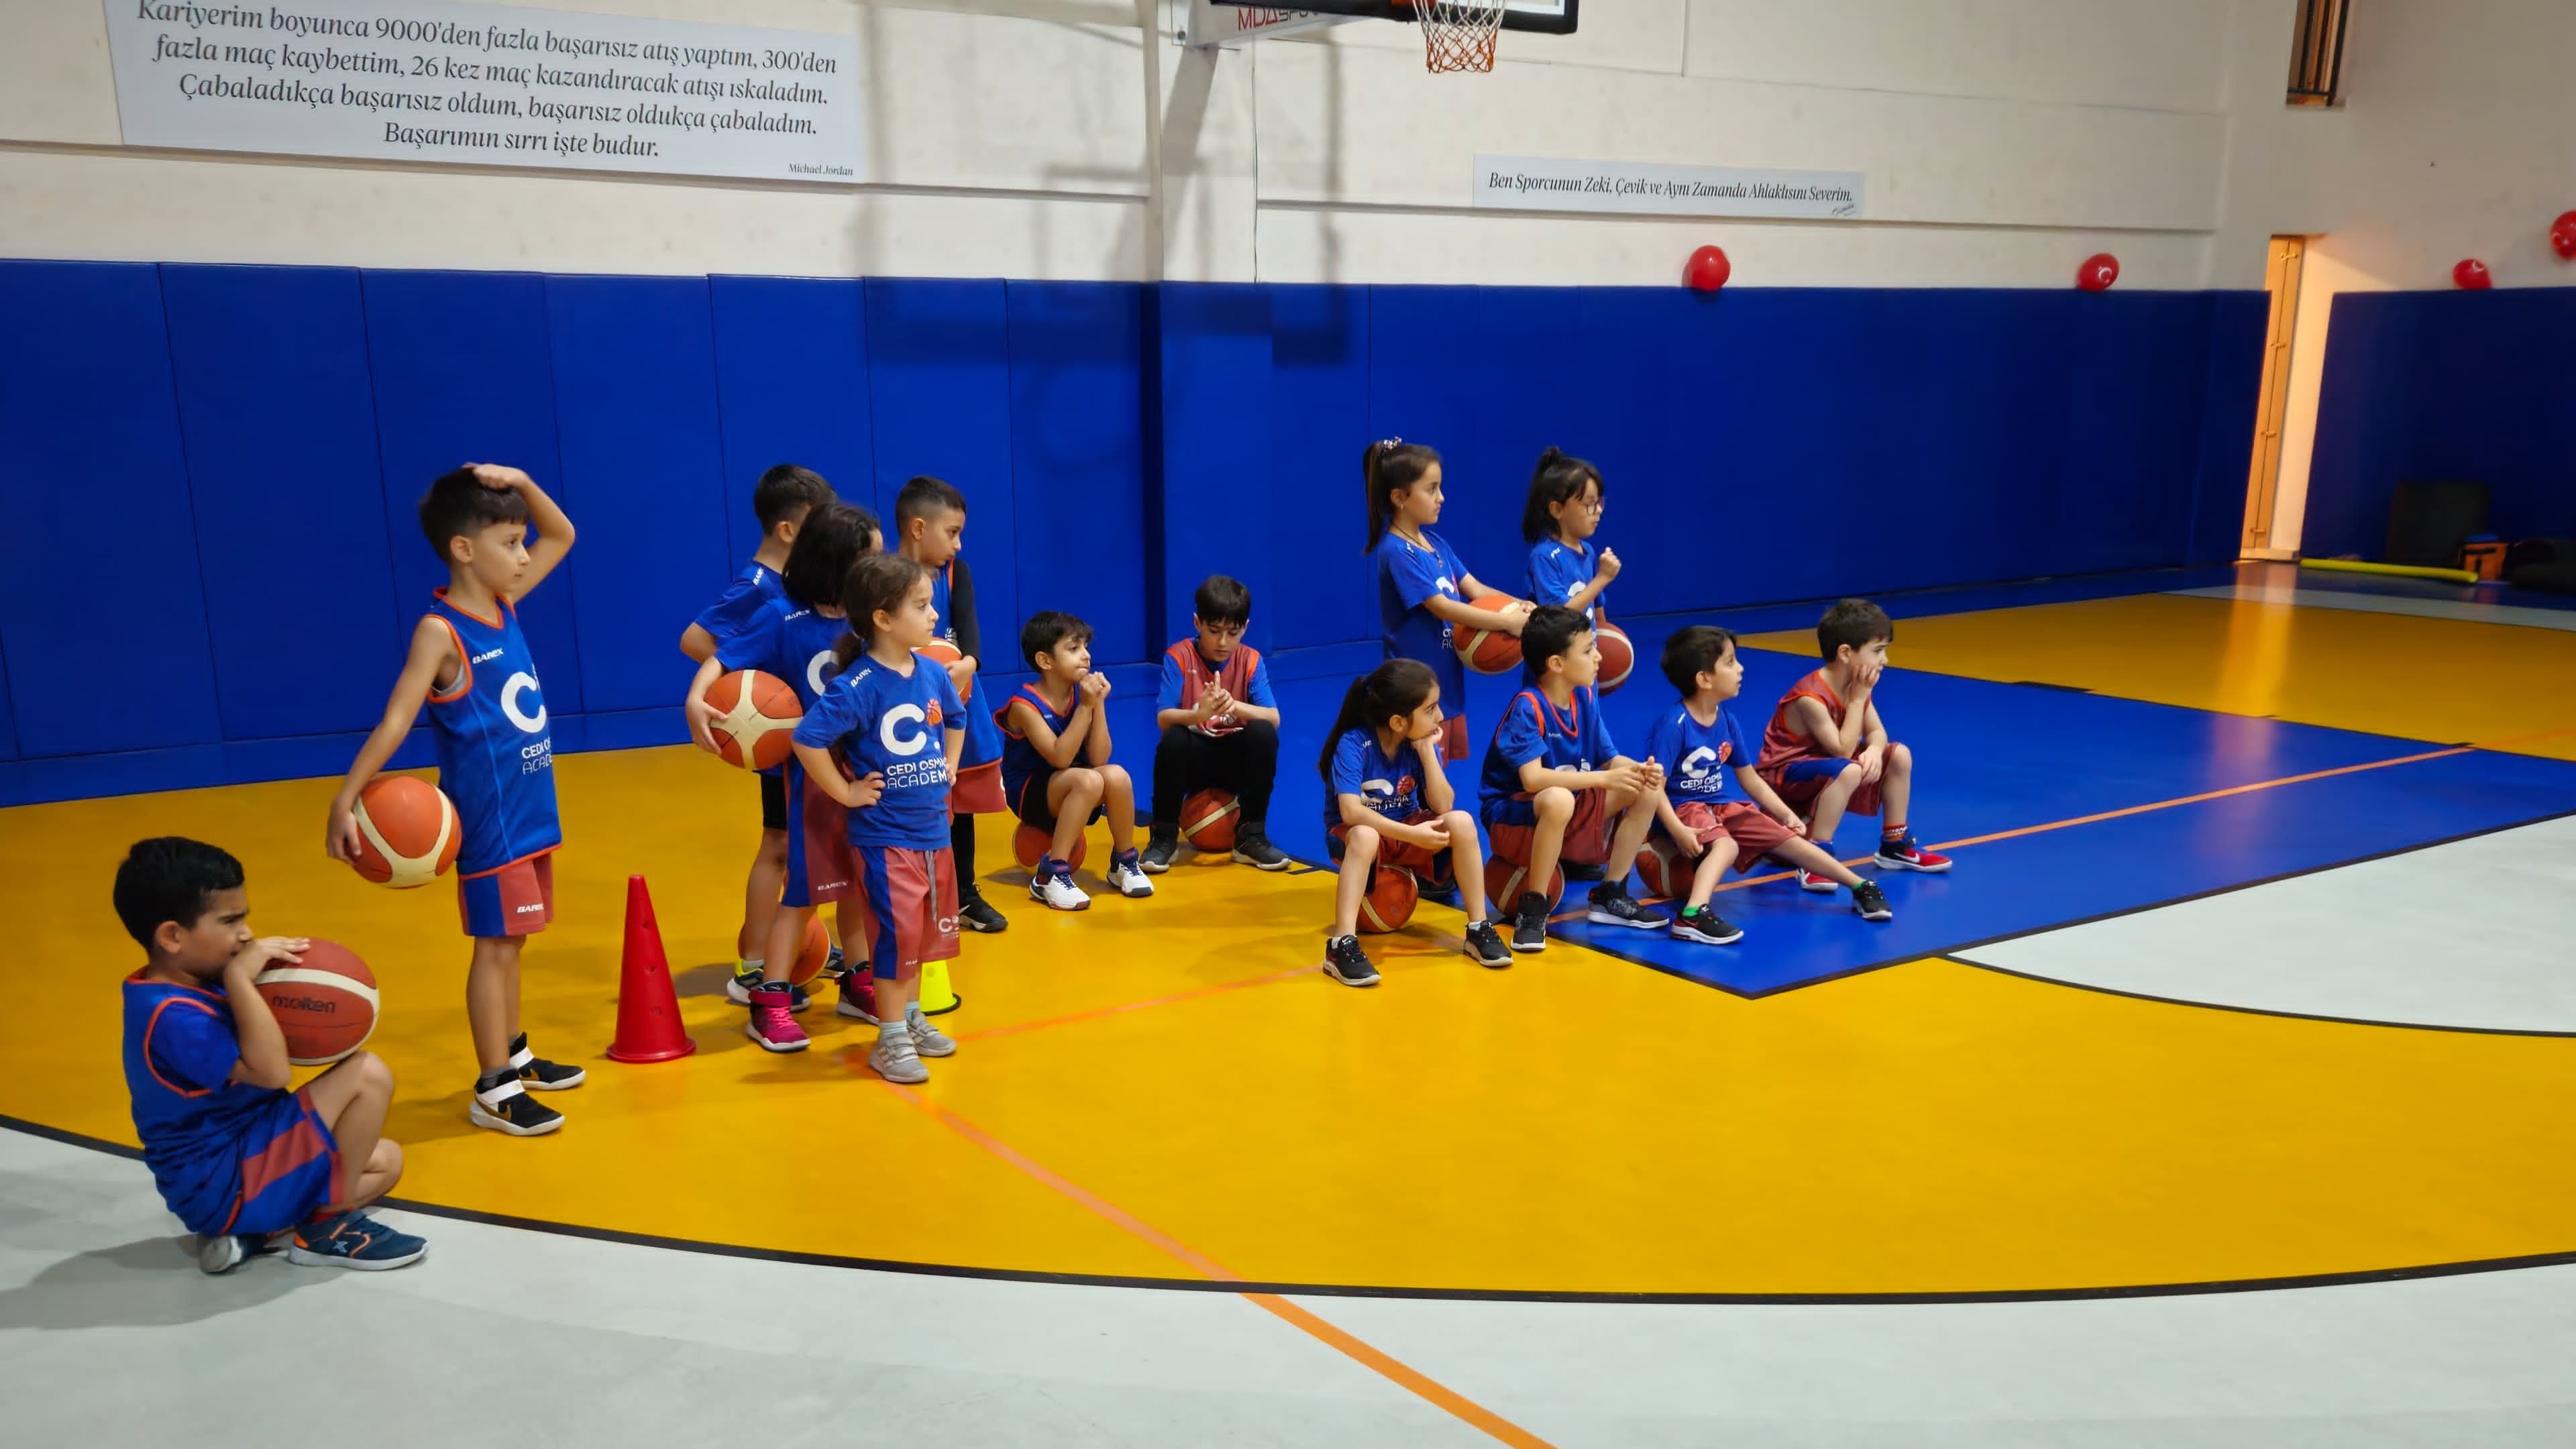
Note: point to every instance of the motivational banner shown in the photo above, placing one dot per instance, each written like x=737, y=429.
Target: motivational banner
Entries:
x=1548, y=183
x=487, y=85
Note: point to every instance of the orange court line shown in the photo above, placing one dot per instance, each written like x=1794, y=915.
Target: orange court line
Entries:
x=1357, y=1349
x=1097, y=1012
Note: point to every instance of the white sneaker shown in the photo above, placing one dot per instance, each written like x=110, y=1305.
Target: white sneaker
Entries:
x=1057, y=892
x=897, y=1060
x=1128, y=879
x=927, y=1039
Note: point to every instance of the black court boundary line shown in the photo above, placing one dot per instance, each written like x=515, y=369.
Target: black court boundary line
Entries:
x=1344, y=1290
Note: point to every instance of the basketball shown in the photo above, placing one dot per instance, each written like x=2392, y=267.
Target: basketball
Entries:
x=1029, y=845
x=1618, y=656
x=407, y=832
x=325, y=1004
x=810, y=956
x=1504, y=883
x=1662, y=870
x=1392, y=894
x=1487, y=652
x=755, y=721
x=943, y=653
x=1207, y=820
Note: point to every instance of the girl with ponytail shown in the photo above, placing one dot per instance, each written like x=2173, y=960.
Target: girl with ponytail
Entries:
x=1564, y=509
x=1423, y=590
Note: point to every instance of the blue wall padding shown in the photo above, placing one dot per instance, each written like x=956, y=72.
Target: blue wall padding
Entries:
x=8, y=726
x=1319, y=357
x=939, y=385
x=280, y=428
x=464, y=374
x=2231, y=395
x=635, y=400
x=2441, y=385
x=792, y=387
x=1214, y=389
x=95, y=485
x=1077, y=462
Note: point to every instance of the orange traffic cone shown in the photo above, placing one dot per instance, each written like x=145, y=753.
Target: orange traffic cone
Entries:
x=648, y=1006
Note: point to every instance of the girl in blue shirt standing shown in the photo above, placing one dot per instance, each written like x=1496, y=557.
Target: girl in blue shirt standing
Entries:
x=1423, y=587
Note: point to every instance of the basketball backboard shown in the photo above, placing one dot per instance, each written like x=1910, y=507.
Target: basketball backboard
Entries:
x=1237, y=22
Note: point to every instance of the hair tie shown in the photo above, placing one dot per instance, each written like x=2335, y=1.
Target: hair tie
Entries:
x=1387, y=443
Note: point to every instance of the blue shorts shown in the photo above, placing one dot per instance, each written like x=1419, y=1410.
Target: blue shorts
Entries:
x=516, y=900
x=1823, y=772
x=282, y=1169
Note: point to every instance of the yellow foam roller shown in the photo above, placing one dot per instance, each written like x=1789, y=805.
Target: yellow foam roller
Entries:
x=2403, y=571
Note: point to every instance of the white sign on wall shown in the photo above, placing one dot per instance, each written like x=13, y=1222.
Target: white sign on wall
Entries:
x=486, y=85
x=1549, y=183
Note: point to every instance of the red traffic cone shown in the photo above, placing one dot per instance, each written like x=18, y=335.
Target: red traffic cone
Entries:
x=648, y=1006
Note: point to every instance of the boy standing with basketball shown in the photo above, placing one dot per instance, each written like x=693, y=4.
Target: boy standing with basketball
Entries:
x=471, y=666
x=236, y=1156
x=1220, y=725
x=1826, y=750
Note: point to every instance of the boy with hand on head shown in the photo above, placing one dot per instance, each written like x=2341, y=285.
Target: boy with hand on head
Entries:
x=1220, y=725
x=1698, y=744
x=471, y=666
x=929, y=528
x=1055, y=766
x=1826, y=750
x=237, y=1157
x=785, y=495
x=1553, y=781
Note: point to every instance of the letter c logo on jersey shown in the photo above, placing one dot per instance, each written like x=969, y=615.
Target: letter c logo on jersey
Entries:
x=817, y=673
x=1695, y=764
x=519, y=684
x=904, y=729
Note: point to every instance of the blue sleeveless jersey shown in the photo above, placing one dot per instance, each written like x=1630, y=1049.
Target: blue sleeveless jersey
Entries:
x=495, y=759
x=1020, y=759
x=215, y=1146
x=983, y=741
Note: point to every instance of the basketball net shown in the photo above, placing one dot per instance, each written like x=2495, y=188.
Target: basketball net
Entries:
x=1458, y=35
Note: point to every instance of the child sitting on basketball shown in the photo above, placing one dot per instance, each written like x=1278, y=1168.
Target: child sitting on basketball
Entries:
x=1554, y=783
x=1388, y=805
x=237, y=1157
x=1698, y=744
x=1220, y=727
x=1423, y=590
x=1050, y=729
x=1558, y=521
x=1826, y=750
x=471, y=666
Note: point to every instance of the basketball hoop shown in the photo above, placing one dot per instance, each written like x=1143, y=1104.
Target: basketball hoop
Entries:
x=1459, y=35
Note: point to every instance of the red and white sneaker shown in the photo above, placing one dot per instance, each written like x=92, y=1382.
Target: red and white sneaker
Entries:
x=773, y=1019
x=1822, y=885
x=1904, y=854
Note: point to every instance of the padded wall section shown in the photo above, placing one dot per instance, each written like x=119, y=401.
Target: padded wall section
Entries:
x=1319, y=422
x=1215, y=385
x=464, y=374
x=94, y=471
x=635, y=400
x=2230, y=400
x=278, y=416
x=2436, y=385
x=792, y=387
x=1078, y=462
x=939, y=385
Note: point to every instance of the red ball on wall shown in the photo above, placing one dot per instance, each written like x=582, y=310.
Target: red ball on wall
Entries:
x=2562, y=235
x=2472, y=275
x=2098, y=272
x=1707, y=270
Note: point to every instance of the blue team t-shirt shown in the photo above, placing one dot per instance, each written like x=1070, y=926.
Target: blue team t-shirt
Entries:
x=1558, y=572
x=789, y=640
x=892, y=724
x=1391, y=784
x=752, y=590
x=1407, y=576
x=1571, y=738
x=1699, y=760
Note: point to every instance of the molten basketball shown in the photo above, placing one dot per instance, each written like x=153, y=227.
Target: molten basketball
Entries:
x=325, y=1004
x=943, y=653
x=1392, y=894
x=1618, y=656
x=1663, y=871
x=1207, y=820
x=407, y=832
x=1029, y=845
x=810, y=956
x=1487, y=652
x=756, y=716
x=1505, y=881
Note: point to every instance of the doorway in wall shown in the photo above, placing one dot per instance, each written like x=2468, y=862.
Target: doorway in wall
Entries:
x=2263, y=482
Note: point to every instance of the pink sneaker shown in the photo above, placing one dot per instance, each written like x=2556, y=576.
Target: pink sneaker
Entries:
x=773, y=1019
x=1822, y=885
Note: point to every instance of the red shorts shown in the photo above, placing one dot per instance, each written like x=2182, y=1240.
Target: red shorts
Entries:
x=1434, y=866
x=907, y=909
x=1799, y=782
x=1511, y=821
x=820, y=867
x=1453, y=738
x=516, y=900
x=1754, y=833
x=977, y=790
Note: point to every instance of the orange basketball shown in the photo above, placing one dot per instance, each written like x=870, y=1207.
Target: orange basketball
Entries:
x=1207, y=820
x=1505, y=881
x=325, y=1004
x=811, y=955
x=755, y=721
x=407, y=832
x=1392, y=894
x=1618, y=656
x=1487, y=652
x=1663, y=871
x=1029, y=845
x=943, y=653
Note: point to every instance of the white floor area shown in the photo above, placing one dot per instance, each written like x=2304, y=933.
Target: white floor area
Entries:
x=2473, y=934
x=2460, y=605
x=109, y=1335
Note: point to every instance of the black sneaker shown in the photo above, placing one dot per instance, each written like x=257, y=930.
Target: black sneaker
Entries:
x=1159, y=852
x=1253, y=848
x=1485, y=944
x=1346, y=963
x=1871, y=902
x=1700, y=924
x=1612, y=906
x=977, y=914
x=507, y=1107
x=540, y=1075
x=1529, y=923
x=834, y=968
x=1580, y=870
